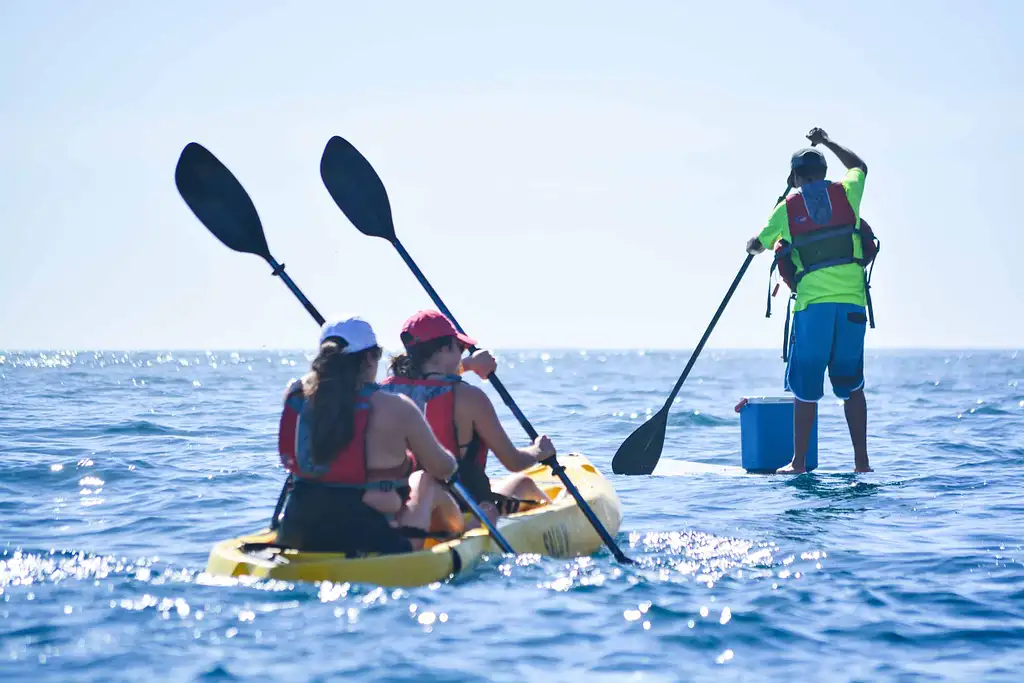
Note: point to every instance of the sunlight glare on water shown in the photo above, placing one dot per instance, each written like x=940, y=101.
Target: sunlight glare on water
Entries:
x=118, y=472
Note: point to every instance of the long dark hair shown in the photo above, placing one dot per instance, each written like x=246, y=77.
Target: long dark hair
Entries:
x=332, y=393
x=410, y=364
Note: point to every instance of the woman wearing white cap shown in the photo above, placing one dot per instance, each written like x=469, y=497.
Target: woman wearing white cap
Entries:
x=353, y=452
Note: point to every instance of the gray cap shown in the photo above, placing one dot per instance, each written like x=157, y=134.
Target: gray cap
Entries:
x=808, y=158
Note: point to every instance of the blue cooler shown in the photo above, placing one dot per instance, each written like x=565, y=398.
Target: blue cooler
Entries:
x=766, y=433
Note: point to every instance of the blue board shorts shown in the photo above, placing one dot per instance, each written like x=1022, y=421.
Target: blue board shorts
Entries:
x=828, y=336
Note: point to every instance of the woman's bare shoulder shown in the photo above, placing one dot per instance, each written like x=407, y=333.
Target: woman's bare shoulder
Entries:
x=471, y=395
x=395, y=404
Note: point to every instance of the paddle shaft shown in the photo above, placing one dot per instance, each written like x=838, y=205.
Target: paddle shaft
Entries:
x=707, y=332
x=279, y=272
x=718, y=314
x=492, y=378
x=588, y=512
x=460, y=492
x=506, y=397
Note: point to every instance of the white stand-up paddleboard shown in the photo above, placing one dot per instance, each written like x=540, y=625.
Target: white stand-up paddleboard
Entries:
x=683, y=468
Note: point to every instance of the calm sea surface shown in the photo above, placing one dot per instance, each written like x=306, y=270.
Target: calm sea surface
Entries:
x=118, y=471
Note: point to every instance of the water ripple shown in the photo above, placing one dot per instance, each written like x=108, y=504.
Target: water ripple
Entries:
x=118, y=471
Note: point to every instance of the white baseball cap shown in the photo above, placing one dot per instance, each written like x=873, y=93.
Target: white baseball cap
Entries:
x=355, y=331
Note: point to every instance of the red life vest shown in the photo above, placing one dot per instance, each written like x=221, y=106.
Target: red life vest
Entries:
x=822, y=245
x=436, y=398
x=348, y=469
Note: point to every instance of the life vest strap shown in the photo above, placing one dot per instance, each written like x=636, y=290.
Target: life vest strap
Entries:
x=785, y=329
x=385, y=486
x=822, y=234
x=509, y=505
x=771, y=272
x=868, y=271
x=821, y=266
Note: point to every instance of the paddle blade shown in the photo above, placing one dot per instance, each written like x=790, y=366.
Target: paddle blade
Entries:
x=357, y=189
x=640, y=452
x=219, y=201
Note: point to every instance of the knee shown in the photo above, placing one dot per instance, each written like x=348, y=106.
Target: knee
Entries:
x=528, y=488
x=447, y=515
x=424, y=489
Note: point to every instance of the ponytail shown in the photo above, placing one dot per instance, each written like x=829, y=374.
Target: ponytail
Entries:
x=410, y=364
x=332, y=394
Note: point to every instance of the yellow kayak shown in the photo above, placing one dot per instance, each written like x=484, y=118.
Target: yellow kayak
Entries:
x=556, y=530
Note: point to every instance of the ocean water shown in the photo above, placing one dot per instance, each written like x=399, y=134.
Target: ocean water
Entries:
x=118, y=471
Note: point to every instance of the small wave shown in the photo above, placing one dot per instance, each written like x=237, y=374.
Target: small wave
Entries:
x=952, y=446
x=696, y=418
x=982, y=410
x=143, y=428
x=987, y=409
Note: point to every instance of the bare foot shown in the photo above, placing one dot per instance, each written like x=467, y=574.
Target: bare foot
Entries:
x=791, y=469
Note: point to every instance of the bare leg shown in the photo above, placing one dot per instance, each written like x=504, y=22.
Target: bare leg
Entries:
x=521, y=486
x=516, y=486
x=419, y=509
x=856, y=409
x=446, y=516
x=804, y=414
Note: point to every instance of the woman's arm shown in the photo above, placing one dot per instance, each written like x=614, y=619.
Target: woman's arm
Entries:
x=487, y=425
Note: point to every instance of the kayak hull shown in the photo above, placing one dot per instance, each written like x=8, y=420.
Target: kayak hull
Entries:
x=556, y=530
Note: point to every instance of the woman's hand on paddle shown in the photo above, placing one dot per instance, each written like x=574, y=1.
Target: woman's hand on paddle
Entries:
x=754, y=246
x=543, y=447
x=481, y=362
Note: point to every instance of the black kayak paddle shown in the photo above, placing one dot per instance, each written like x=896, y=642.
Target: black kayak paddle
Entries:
x=220, y=203
x=640, y=452
x=360, y=194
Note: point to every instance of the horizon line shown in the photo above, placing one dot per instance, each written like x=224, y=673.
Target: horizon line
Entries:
x=586, y=349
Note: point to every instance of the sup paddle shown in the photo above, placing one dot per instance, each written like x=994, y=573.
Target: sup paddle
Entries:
x=360, y=194
x=640, y=452
x=220, y=203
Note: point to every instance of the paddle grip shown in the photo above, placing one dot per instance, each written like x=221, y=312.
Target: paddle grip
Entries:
x=279, y=271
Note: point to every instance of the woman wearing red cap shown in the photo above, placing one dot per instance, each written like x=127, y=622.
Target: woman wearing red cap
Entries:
x=461, y=415
x=347, y=445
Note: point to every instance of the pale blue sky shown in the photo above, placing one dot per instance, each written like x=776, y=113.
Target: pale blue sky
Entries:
x=567, y=174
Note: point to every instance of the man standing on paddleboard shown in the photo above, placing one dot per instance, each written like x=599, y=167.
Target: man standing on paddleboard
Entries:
x=819, y=229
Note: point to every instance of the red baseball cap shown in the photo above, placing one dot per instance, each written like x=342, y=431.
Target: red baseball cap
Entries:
x=424, y=326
